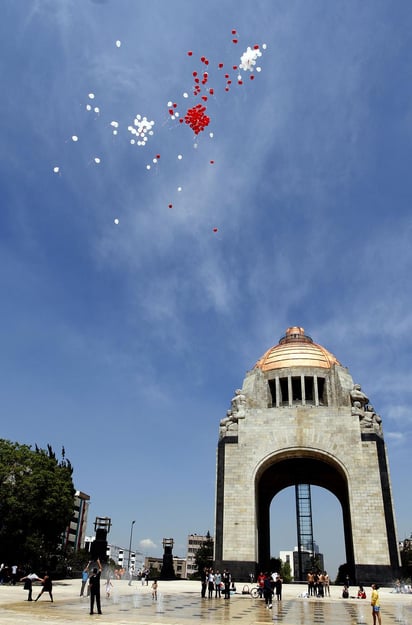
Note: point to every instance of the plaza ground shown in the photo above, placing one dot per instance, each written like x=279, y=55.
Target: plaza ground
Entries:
x=179, y=603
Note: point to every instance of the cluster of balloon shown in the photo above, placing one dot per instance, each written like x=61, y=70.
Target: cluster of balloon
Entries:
x=196, y=117
x=141, y=129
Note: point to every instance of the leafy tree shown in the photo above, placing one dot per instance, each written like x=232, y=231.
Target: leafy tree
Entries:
x=286, y=572
x=204, y=555
x=36, y=502
x=406, y=557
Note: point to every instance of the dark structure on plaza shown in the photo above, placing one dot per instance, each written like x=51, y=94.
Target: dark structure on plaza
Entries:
x=168, y=571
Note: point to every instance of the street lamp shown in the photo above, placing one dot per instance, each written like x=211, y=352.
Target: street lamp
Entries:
x=130, y=547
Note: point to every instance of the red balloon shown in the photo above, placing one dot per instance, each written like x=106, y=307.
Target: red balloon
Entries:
x=252, y=77
x=170, y=205
x=215, y=230
x=234, y=40
x=157, y=155
x=256, y=47
x=220, y=65
x=211, y=91
x=233, y=32
x=212, y=162
x=189, y=53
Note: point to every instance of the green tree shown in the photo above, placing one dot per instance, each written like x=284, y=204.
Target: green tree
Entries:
x=204, y=555
x=285, y=572
x=406, y=557
x=36, y=502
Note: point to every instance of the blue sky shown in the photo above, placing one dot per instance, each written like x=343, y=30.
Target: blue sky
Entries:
x=124, y=343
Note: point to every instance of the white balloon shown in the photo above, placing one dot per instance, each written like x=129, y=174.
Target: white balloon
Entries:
x=185, y=95
x=75, y=138
x=88, y=107
x=118, y=43
x=211, y=135
x=179, y=156
x=116, y=221
x=97, y=160
x=91, y=96
x=56, y=170
x=179, y=188
x=96, y=109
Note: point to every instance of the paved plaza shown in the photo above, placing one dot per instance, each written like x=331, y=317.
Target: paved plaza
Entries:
x=179, y=603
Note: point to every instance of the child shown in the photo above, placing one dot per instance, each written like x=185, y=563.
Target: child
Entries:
x=154, y=590
x=109, y=585
x=376, y=610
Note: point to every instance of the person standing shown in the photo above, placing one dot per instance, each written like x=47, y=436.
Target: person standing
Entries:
x=218, y=581
x=47, y=587
x=154, y=590
x=210, y=583
x=94, y=586
x=203, y=582
x=85, y=577
x=376, y=608
x=226, y=579
x=278, y=588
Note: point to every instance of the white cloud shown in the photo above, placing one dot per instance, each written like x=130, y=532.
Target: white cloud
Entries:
x=146, y=544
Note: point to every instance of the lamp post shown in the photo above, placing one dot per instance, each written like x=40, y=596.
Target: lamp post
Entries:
x=130, y=549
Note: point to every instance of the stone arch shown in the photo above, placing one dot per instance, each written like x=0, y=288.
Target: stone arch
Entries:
x=298, y=466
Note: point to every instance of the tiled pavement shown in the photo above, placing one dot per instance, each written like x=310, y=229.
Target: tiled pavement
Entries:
x=179, y=603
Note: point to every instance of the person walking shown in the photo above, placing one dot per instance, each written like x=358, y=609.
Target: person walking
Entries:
x=267, y=591
x=94, y=586
x=376, y=608
x=47, y=586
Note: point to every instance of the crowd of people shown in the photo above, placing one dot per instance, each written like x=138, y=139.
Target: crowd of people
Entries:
x=216, y=584
x=270, y=584
x=318, y=584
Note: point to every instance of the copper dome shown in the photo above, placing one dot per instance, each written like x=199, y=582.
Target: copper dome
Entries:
x=296, y=349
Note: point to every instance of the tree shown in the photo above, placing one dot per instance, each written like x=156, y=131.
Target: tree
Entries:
x=204, y=555
x=406, y=557
x=36, y=502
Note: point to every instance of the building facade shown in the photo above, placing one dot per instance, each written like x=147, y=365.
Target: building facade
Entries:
x=194, y=542
x=300, y=419
x=75, y=535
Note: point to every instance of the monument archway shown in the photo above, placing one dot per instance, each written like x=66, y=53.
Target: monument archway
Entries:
x=300, y=419
x=295, y=467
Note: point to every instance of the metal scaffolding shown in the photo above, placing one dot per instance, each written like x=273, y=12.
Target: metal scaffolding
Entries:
x=304, y=528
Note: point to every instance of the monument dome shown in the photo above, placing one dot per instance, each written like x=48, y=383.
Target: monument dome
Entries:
x=296, y=349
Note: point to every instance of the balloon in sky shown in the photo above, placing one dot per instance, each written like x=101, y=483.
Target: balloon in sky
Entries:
x=206, y=82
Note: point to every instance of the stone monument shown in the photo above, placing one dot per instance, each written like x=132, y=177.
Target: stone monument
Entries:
x=298, y=419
